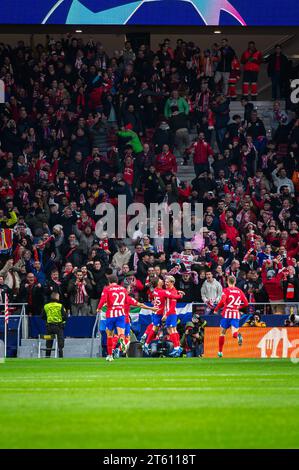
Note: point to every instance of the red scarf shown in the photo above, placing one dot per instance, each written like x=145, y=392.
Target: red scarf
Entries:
x=290, y=291
x=69, y=253
x=81, y=294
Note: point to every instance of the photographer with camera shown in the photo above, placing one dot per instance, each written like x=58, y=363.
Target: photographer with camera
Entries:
x=161, y=346
x=255, y=321
x=193, y=338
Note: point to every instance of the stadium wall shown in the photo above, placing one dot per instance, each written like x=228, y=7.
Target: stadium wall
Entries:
x=112, y=42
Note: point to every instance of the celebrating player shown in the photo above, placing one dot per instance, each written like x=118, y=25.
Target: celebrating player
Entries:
x=130, y=301
x=170, y=316
x=115, y=297
x=231, y=301
x=159, y=297
x=117, y=300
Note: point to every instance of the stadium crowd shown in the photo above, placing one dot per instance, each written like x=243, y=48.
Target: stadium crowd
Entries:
x=79, y=128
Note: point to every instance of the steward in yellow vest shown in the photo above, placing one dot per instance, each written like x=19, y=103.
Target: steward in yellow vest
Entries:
x=55, y=316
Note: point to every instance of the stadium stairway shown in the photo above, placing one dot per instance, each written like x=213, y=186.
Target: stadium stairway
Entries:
x=186, y=172
x=73, y=348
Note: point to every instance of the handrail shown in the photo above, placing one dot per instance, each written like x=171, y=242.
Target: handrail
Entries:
x=10, y=316
x=283, y=42
x=258, y=303
x=22, y=316
x=96, y=323
x=14, y=304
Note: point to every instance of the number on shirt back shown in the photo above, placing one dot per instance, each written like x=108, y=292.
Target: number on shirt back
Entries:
x=234, y=301
x=119, y=299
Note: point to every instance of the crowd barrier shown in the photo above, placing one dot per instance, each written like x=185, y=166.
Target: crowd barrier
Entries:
x=21, y=326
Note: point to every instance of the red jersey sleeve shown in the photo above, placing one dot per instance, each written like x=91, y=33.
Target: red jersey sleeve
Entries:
x=103, y=299
x=172, y=295
x=244, y=300
x=222, y=302
x=131, y=301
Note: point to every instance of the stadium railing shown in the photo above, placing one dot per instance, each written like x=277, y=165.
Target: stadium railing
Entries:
x=264, y=308
x=22, y=319
x=286, y=307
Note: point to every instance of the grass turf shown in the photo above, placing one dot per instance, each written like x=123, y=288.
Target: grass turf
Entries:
x=149, y=403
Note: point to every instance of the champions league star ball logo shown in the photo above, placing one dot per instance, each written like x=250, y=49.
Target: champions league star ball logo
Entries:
x=123, y=11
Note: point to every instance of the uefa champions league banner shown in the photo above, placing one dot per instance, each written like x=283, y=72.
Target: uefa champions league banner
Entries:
x=151, y=12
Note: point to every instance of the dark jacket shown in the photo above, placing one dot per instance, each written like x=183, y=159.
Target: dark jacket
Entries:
x=284, y=66
x=256, y=129
x=4, y=289
x=72, y=290
x=227, y=55
x=74, y=256
x=99, y=281
x=51, y=287
x=178, y=121
x=35, y=299
x=161, y=137
x=221, y=111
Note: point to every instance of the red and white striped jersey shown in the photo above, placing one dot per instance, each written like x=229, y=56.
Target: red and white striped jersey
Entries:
x=171, y=297
x=115, y=297
x=231, y=301
x=158, y=299
x=164, y=300
x=129, y=302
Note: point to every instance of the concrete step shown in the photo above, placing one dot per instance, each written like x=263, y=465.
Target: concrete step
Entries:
x=74, y=347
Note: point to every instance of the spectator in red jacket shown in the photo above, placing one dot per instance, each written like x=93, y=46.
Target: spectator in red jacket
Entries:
x=166, y=161
x=201, y=151
x=5, y=189
x=84, y=221
x=272, y=281
x=227, y=224
x=251, y=60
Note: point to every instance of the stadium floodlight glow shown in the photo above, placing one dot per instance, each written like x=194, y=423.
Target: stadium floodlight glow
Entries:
x=217, y=31
x=78, y=31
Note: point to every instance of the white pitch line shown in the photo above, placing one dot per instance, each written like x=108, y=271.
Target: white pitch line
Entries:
x=143, y=389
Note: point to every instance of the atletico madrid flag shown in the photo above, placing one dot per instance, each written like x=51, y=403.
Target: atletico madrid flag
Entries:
x=6, y=240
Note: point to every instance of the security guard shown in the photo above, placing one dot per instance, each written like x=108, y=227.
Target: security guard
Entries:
x=55, y=316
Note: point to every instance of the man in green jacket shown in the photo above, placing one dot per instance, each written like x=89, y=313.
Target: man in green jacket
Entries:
x=55, y=316
x=127, y=133
x=177, y=102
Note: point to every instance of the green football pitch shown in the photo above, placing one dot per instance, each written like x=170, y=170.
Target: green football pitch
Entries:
x=149, y=403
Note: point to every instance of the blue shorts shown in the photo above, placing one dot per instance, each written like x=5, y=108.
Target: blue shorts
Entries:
x=127, y=329
x=157, y=319
x=226, y=323
x=115, y=322
x=171, y=321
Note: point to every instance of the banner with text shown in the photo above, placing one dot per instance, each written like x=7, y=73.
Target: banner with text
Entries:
x=257, y=343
